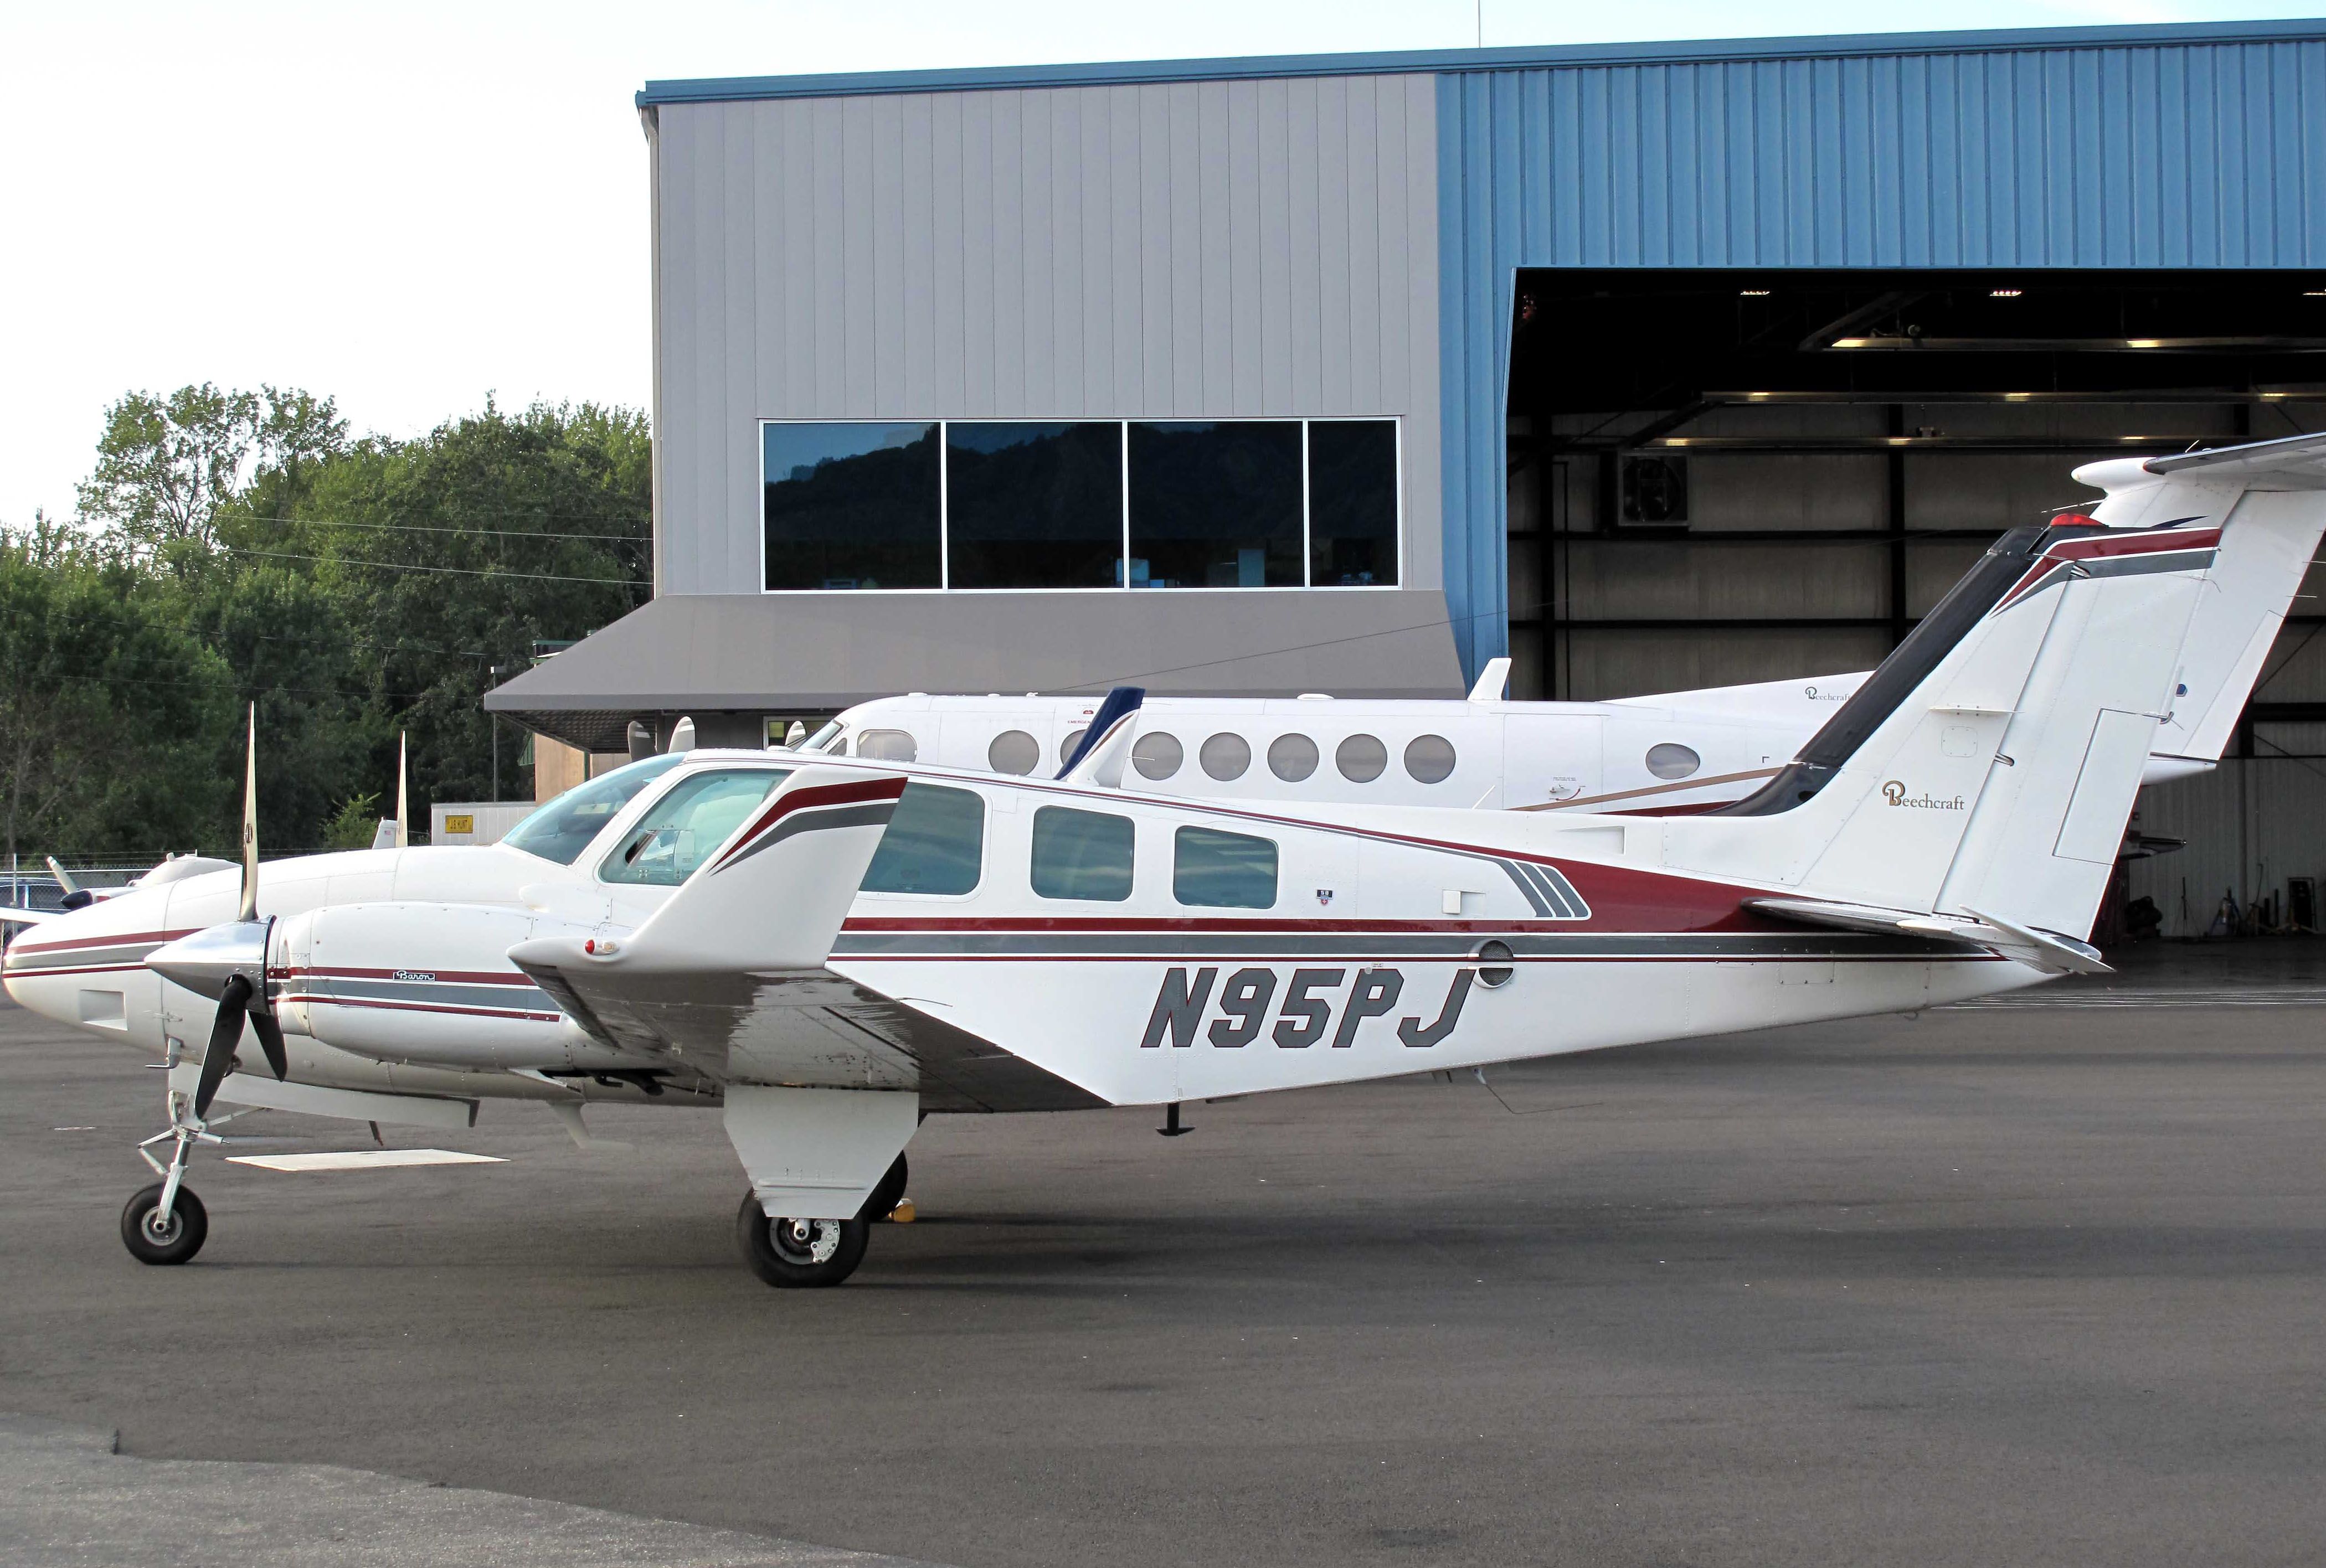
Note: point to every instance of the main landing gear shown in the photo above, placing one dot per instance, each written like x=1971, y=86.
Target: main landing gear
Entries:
x=811, y=1253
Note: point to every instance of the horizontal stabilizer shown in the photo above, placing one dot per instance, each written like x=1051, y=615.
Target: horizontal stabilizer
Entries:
x=2047, y=950
x=2291, y=463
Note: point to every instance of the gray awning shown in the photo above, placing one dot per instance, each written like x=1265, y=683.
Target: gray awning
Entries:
x=793, y=654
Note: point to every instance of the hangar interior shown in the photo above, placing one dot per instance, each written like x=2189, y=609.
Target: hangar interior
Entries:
x=1720, y=476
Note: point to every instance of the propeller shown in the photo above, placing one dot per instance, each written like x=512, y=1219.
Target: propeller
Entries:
x=229, y=961
x=402, y=776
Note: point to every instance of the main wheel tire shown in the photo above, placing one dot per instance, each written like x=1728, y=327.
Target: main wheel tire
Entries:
x=887, y=1195
x=152, y=1237
x=799, y=1254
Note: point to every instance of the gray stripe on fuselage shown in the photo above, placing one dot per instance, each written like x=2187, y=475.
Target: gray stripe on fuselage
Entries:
x=524, y=998
x=1419, y=946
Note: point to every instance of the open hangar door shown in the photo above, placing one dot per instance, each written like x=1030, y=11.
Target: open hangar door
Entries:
x=1720, y=476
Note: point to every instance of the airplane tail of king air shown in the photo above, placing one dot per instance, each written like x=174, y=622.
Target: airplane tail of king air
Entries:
x=1978, y=784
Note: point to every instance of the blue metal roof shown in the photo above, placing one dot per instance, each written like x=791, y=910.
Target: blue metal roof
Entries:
x=718, y=89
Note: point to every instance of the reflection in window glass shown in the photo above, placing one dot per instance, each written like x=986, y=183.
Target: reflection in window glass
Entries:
x=1429, y=759
x=1013, y=751
x=1082, y=854
x=1215, y=870
x=679, y=831
x=851, y=506
x=888, y=745
x=1226, y=756
x=563, y=828
x=936, y=843
x=1673, y=760
x=1361, y=758
x=1292, y=757
x=1157, y=755
x=1215, y=504
x=1034, y=505
x=1352, y=502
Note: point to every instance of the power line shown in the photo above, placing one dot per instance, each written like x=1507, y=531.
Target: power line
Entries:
x=453, y=571
x=424, y=528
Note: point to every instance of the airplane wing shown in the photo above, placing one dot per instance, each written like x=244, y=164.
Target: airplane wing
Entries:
x=731, y=975
x=27, y=916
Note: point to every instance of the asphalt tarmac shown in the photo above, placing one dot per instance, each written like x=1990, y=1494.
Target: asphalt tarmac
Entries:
x=2023, y=1284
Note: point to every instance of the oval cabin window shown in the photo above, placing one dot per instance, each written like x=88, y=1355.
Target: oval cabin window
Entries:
x=1066, y=747
x=1673, y=760
x=1361, y=758
x=1226, y=756
x=1292, y=757
x=1429, y=759
x=1013, y=751
x=1157, y=755
x=888, y=745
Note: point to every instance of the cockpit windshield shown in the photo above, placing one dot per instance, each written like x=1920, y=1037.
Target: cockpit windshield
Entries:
x=563, y=828
x=824, y=739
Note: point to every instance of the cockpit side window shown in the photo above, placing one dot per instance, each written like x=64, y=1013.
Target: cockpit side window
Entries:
x=679, y=831
x=563, y=828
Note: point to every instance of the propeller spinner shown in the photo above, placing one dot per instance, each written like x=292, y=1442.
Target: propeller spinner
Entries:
x=228, y=962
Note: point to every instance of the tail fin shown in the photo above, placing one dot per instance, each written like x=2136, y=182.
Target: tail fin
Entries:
x=1989, y=767
x=2252, y=583
x=772, y=899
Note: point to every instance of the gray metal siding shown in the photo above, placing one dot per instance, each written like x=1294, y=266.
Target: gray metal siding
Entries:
x=1185, y=250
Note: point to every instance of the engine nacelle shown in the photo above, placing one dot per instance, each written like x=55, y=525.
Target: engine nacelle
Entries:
x=428, y=983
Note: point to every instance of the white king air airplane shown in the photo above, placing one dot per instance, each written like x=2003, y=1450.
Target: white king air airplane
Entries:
x=827, y=948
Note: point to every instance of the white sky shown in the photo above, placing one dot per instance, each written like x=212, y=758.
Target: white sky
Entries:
x=408, y=206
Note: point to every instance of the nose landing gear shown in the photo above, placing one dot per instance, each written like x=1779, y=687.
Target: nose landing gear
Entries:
x=159, y=1234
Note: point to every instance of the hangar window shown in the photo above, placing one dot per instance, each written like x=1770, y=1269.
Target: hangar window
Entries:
x=1013, y=751
x=1034, y=505
x=1215, y=870
x=1157, y=755
x=1673, y=760
x=1215, y=504
x=1292, y=757
x=563, y=828
x=1226, y=756
x=1352, y=502
x=851, y=506
x=888, y=745
x=1429, y=759
x=679, y=831
x=1361, y=758
x=936, y=843
x=1088, y=504
x=1080, y=854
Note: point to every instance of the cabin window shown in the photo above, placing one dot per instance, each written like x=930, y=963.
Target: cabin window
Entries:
x=1361, y=758
x=1352, y=502
x=851, y=506
x=1215, y=870
x=888, y=745
x=1157, y=755
x=1215, y=504
x=936, y=843
x=1673, y=760
x=1292, y=757
x=1066, y=747
x=679, y=832
x=1081, y=854
x=1429, y=759
x=1013, y=751
x=563, y=828
x=1226, y=756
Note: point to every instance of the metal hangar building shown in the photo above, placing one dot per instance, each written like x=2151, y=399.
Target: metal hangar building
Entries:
x=1652, y=365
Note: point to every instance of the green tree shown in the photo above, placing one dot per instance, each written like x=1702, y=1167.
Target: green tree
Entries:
x=111, y=715
x=164, y=466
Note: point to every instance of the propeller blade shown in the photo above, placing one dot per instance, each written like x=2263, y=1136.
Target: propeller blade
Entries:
x=226, y=1034
x=402, y=776
x=63, y=877
x=250, y=821
x=270, y=1040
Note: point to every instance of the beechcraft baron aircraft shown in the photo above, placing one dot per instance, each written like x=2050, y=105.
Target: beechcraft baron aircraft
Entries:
x=829, y=947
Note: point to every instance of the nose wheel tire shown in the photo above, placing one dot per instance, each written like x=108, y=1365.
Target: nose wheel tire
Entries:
x=154, y=1237
x=798, y=1254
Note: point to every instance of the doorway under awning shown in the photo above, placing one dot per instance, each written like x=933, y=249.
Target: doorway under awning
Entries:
x=727, y=659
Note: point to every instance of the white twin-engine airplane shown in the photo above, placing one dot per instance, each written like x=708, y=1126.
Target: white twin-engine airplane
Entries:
x=829, y=948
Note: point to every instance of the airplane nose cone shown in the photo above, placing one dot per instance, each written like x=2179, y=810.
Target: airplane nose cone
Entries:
x=204, y=962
